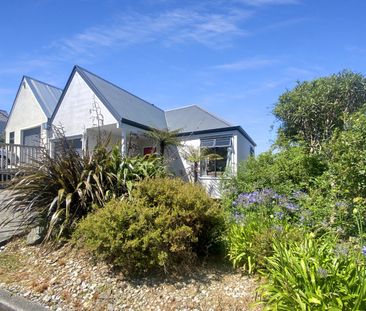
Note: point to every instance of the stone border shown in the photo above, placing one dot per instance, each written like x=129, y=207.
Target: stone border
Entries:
x=12, y=302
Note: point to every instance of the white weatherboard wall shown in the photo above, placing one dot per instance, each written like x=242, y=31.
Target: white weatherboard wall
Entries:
x=26, y=114
x=243, y=148
x=77, y=111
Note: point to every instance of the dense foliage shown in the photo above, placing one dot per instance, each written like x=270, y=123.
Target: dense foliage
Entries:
x=315, y=274
x=347, y=159
x=284, y=170
x=60, y=190
x=313, y=110
x=164, y=224
x=258, y=219
x=298, y=211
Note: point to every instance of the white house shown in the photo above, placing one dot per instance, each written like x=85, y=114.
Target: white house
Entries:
x=90, y=105
x=28, y=122
x=200, y=129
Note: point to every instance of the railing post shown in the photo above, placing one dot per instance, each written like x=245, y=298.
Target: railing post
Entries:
x=13, y=156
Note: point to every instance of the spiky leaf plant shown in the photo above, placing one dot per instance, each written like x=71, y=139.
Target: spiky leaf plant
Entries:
x=58, y=191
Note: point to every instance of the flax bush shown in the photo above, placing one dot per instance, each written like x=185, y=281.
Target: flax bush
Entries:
x=58, y=191
x=165, y=223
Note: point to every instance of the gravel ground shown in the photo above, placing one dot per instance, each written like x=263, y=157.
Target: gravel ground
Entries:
x=68, y=279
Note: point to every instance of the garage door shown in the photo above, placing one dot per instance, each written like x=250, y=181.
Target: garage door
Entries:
x=32, y=137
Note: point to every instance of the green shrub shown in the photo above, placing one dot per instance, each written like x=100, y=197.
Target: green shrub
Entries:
x=251, y=243
x=259, y=218
x=347, y=159
x=331, y=197
x=315, y=274
x=284, y=170
x=250, y=240
x=166, y=222
x=60, y=190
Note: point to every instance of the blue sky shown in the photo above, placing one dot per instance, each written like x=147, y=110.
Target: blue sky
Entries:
x=234, y=58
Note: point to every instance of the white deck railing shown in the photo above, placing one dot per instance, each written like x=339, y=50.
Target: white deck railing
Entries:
x=13, y=156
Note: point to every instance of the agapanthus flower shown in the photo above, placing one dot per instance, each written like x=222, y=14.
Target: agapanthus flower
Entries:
x=278, y=228
x=298, y=194
x=323, y=273
x=291, y=206
x=363, y=250
x=341, y=250
x=238, y=217
x=279, y=215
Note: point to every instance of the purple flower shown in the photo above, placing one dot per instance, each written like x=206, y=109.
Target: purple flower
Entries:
x=363, y=250
x=278, y=228
x=323, y=273
x=298, y=194
x=257, y=197
x=341, y=250
x=291, y=206
x=279, y=215
x=341, y=204
x=238, y=217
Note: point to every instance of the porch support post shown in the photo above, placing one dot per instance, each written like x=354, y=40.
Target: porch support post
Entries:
x=123, y=142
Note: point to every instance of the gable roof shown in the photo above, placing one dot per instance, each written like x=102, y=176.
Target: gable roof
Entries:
x=133, y=110
x=193, y=118
x=121, y=103
x=3, y=120
x=3, y=115
x=47, y=95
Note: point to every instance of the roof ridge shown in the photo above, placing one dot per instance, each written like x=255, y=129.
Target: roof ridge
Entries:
x=45, y=83
x=214, y=116
x=118, y=87
x=204, y=110
x=179, y=108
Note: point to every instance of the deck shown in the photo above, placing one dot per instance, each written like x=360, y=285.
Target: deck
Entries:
x=13, y=157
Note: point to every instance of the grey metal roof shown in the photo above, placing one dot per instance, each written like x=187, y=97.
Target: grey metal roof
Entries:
x=193, y=118
x=122, y=104
x=3, y=120
x=135, y=111
x=47, y=95
x=3, y=116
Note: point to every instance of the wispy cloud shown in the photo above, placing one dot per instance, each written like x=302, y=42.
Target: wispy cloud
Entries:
x=210, y=25
x=268, y=2
x=178, y=26
x=247, y=64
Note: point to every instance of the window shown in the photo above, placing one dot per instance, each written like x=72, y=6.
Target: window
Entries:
x=11, y=137
x=73, y=143
x=251, y=150
x=216, y=155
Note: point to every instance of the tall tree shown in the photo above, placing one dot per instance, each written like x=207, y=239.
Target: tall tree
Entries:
x=313, y=110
